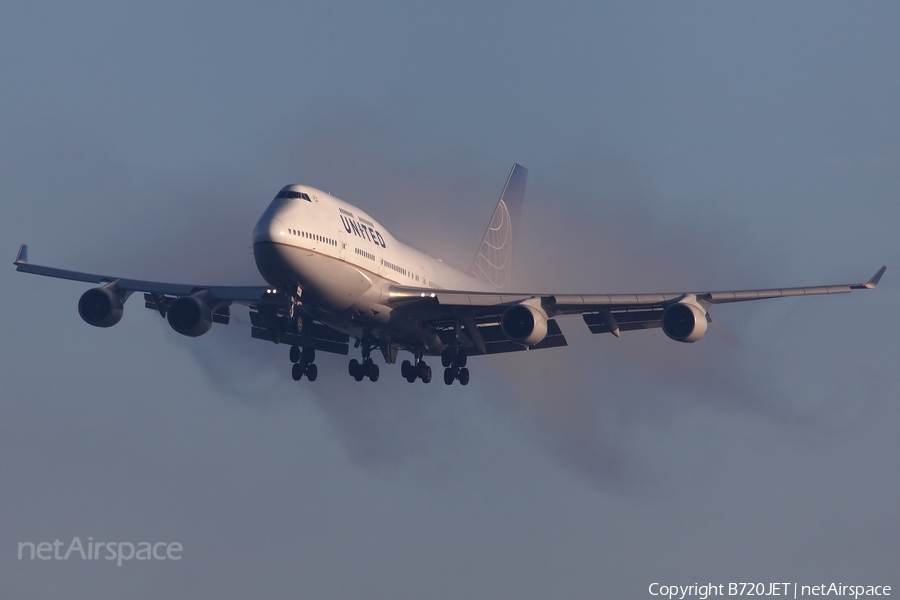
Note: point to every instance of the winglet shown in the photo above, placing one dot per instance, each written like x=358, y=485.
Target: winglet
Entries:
x=22, y=256
x=875, y=279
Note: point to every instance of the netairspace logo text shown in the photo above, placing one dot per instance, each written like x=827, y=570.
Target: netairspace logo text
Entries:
x=118, y=551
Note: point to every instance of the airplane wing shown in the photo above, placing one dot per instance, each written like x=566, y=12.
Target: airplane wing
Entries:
x=478, y=315
x=240, y=294
x=268, y=308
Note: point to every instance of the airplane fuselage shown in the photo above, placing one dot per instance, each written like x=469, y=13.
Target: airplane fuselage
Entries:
x=343, y=262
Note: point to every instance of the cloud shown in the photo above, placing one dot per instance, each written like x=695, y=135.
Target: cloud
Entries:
x=592, y=224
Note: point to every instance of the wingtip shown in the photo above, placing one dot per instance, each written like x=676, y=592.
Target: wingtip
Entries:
x=876, y=278
x=22, y=256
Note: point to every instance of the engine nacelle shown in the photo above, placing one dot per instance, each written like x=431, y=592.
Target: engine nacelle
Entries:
x=101, y=307
x=684, y=322
x=189, y=316
x=524, y=323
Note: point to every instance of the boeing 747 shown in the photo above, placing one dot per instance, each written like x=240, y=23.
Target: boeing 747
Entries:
x=335, y=274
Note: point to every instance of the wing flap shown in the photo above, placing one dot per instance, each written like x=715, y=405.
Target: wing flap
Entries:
x=630, y=320
x=496, y=342
x=266, y=325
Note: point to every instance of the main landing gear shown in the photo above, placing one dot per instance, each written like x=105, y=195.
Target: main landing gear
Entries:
x=454, y=362
x=303, y=363
x=420, y=370
x=367, y=368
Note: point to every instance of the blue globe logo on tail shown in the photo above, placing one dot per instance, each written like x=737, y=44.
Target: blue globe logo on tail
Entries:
x=493, y=261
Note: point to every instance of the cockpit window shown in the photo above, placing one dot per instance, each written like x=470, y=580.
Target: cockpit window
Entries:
x=293, y=194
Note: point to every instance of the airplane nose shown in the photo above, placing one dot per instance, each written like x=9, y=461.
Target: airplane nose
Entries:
x=269, y=230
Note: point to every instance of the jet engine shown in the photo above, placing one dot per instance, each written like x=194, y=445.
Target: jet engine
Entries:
x=101, y=307
x=524, y=323
x=190, y=316
x=684, y=321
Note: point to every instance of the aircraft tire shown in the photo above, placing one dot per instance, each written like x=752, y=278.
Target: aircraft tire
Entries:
x=448, y=376
x=312, y=371
x=309, y=354
x=405, y=366
x=373, y=372
x=427, y=377
x=295, y=354
x=447, y=357
x=464, y=376
x=421, y=367
x=297, y=372
x=461, y=358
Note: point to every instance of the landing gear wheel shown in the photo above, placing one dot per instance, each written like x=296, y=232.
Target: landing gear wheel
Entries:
x=421, y=369
x=448, y=376
x=447, y=357
x=373, y=372
x=309, y=354
x=405, y=368
x=353, y=367
x=464, y=377
x=297, y=372
x=461, y=358
x=411, y=377
x=312, y=371
x=427, y=377
x=295, y=354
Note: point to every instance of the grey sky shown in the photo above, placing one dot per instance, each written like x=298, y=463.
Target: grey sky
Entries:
x=670, y=146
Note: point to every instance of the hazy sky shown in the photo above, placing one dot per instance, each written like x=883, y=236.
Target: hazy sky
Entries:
x=670, y=146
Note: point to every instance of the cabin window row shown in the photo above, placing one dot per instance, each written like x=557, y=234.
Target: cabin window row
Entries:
x=368, y=255
x=314, y=236
x=394, y=267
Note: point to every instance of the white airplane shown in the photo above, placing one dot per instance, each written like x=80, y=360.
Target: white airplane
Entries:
x=334, y=273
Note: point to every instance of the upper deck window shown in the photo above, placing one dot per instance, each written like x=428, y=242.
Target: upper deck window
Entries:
x=293, y=194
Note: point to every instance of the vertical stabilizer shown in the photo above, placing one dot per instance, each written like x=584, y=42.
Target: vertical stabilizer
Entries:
x=493, y=262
